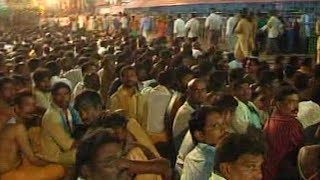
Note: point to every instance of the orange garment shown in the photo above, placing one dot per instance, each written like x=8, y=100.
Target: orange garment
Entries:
x=161, y=28
x=29, y=172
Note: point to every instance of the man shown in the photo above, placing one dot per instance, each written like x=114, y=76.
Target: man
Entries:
x=246, y=114
x=196, y=96
x=214, y=24
x=243, y=31
x=90, y=106
x=15, y=146
x=228, y=105
x=192, y=28
x=179, y=29
x=7, y=92
x=93, y=152
x=145, y=26
x=58, y=124
x=124, y=24
x=308, y=162
x=239, y=157
x=284, y=137
x=160, y=94
x=207, y=129
x=274, y=27
x=41, y=90
x=127, y=97
x=231, y=37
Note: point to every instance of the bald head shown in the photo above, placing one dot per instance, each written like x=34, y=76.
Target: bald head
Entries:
x=197, y=90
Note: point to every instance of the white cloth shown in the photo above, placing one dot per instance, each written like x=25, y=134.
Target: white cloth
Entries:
x=56, y=79
x=231, y=23
x=186, y=146
x=74, y=76
x=274, y=27
x=124, y=22
x=78, y=89
x=213, y=22
x=306, y=23
x=193, y=27
x=181, y=119
x=179, y=28
x=309, y=113
x=196, y=53
x=157, y=103
x=198, y=164
x=216, y=177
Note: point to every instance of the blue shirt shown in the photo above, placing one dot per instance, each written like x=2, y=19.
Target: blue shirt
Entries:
x=145, y=24
x=198, y=164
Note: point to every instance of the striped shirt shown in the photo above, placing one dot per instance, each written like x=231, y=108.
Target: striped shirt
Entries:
x=284, y=137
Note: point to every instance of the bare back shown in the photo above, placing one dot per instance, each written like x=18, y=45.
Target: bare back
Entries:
x=10, y=157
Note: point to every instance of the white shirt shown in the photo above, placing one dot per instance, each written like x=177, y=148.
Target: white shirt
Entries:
x=193, y=27
x=74, y=76
x=231, y=23
x=179, y=28
x=157, y=103
x=213, y=22
x=274, y=26
x=186, y=146
x=196, y=53
x=182, y=118
x=124, y=22
x=309, y=113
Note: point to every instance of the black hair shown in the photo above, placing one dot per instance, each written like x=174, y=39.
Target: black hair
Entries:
x=53, y=67
x=33, y=64
x=182, y=71
x=59, y=85
x=126, y=69
x=166, y=78
x=316, y=71
x=20, y=96
x=283, y=92
x=86, y=66
x=4, y=81
x=88, y=148
x=226, y=102
x=199, y=117
x=40, y=75
x=301, y=81
x=88, y=99
x=237, y=84
x=236, y=145
x=236, y=74
x=112, y=120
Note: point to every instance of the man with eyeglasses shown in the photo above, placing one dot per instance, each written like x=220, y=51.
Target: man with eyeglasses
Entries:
x=207, y=128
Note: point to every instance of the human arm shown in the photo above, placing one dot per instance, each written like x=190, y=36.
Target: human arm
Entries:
x=318, y=28
x=154, y=166
x=23, y=142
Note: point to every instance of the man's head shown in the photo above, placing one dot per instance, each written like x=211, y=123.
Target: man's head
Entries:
x=197, y=91
x=207, y=125
x=241, y=89
x=89, y=105
x=53, y=67
x=115, y=123
x=252, y=65
x=88, y=68
x=97, y=157
x=25, y=105
x=61, y=94
x=287, y=101
x=240, y=156
x=42, y=80
x=92, y=81
x=128, y=76
x=7, y=89
x=228, y=105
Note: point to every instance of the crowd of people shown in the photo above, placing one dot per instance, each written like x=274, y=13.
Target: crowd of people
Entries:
x=89, y=104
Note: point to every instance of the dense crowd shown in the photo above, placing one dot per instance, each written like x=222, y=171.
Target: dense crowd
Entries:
x=79, y=103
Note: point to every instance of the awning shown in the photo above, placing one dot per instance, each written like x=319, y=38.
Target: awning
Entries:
x=158, y=3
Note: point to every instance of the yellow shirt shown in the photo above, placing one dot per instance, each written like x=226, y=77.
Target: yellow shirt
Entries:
x=55, y=141
x=42, y=99
x=133, y=106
